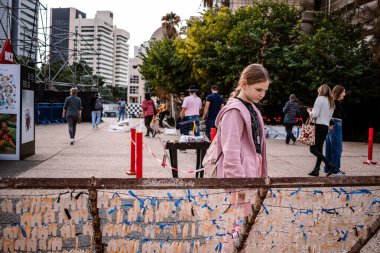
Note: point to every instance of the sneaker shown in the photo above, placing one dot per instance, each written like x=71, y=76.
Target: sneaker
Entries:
x=339, y=173
x=154, y=133
x=71, y=141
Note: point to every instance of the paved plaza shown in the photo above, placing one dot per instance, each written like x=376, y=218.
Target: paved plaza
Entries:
x=104, y=152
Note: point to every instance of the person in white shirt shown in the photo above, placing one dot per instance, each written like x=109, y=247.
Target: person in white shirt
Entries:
x=190, y=108
x=322, y=113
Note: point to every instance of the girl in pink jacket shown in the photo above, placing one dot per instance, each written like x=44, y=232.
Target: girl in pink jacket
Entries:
x=241, y=128
x=241, y=138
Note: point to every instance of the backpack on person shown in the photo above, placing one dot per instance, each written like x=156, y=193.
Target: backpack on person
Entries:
x=210, y=160
x=98, y=104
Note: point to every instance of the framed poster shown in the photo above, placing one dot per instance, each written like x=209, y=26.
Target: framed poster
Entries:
x=27, y=116
x=10, y=93
x=8, y=134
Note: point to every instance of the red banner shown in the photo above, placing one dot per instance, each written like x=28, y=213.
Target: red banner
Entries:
x=6, y=56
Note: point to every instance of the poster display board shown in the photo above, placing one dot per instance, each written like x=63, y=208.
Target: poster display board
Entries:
x=10, y=94
x=17, y=132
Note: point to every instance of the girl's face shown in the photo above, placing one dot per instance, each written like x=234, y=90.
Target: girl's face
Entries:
x=342, y=95
x=255, y=92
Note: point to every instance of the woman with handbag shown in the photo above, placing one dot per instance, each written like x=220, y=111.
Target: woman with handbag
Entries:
x=322, y=112
x=334, y=140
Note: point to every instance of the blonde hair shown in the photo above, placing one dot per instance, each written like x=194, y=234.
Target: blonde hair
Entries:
x=74, y=91
x=324, y=90
x=252, y=74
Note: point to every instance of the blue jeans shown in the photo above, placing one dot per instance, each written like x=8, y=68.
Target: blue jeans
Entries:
x=196, y=119
x=121, y=114
x=334, y=145
x=209, y=124
x=95, y=117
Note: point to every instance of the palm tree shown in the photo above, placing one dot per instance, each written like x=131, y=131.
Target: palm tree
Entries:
x=169, y=23
x=208, y=3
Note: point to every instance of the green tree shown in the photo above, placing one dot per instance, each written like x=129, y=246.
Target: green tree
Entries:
x=163, y=68
x=334, y=53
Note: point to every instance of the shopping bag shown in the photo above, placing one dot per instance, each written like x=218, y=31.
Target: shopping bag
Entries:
x=307, y=135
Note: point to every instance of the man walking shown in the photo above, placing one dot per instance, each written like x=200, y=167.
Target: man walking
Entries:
x=190, y=108
x=214, y=102
x=72, y=110
x=96, y=107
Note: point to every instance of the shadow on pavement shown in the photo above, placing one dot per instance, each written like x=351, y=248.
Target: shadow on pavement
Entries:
x=15, y=168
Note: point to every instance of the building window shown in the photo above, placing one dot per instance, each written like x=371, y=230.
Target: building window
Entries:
x=133, y=89
x=134, y=79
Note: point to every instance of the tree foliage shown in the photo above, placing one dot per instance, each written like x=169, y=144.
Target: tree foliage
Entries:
x=162, y=67
x=221, y=43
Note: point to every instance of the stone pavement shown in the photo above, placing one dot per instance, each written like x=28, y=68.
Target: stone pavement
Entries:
x=104, y=153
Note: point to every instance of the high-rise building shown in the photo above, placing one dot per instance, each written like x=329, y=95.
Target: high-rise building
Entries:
x=19, y=19
x=62, y=33
x=121, y=51
x=103, y=47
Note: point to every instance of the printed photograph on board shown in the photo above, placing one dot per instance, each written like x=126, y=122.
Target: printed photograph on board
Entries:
x=8, y=132
x=8, y=89
x=27, y=128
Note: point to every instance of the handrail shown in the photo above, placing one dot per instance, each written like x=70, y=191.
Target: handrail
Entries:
x=186, y=183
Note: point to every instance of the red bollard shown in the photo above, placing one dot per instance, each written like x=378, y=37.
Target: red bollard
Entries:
x=370, y=148
x=213, y=133
x=132, y=170
x=139, y=154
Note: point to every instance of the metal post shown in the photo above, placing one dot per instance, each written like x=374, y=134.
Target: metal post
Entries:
x=370, y=148
x=139, y=155
x=132, y=170
x=213, y=133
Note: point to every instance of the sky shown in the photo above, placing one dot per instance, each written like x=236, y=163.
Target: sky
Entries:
x=138, y=17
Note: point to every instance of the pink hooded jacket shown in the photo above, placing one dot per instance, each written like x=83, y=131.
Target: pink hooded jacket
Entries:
x=148, y=108
x=239, y=158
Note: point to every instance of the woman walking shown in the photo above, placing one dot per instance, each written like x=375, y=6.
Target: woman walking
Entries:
x=322, y=112
x=291, y=110
x=148, y=113
x=334, y=139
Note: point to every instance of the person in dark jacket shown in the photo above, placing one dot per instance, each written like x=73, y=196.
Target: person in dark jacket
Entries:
x=291, y=109
x=96, y=107
x=148, y=113
x=72, y=111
